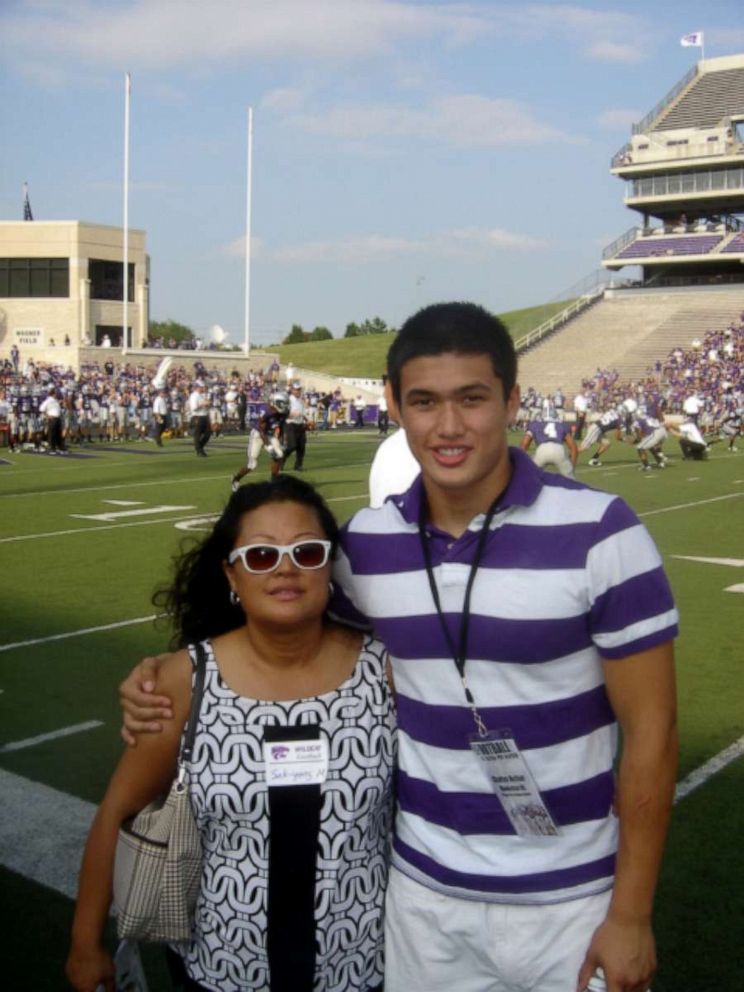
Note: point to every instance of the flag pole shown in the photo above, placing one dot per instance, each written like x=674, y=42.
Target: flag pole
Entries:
x=249, y=185
x=125, y=293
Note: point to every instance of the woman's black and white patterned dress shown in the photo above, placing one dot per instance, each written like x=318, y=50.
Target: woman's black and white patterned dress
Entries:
x=293, y=881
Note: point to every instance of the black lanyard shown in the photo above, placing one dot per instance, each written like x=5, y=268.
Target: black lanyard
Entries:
x=460, y=655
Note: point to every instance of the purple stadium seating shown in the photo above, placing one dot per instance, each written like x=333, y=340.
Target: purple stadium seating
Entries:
x=654, y=246
x=736, y=244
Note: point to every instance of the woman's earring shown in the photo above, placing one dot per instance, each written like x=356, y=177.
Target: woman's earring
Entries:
x=234, y=598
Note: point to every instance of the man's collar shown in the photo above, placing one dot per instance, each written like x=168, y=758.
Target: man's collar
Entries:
x=523, y=488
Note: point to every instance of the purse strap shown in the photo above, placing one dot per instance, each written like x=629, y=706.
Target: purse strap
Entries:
x=197, y=691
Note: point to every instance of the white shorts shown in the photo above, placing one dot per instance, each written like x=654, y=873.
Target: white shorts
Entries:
x=438, y=943
x=592, y=436
x=554, y=453
x=652, y=440
x=255, y=444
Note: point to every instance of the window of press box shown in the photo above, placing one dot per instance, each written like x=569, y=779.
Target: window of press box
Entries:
x=106, y=280
x=34, y=277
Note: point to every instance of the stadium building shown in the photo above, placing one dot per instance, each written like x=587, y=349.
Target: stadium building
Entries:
x=683, y=170
x=62, y=288
x=684, y=173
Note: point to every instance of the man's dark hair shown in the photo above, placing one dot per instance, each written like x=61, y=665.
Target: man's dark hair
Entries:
x=462, y=328
x=197, y=601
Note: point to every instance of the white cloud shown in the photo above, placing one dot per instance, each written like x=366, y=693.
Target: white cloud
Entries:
x=236, y=248
x=604, y=35
x=467, y=120
x=612, y=51
x=612, y=120
x=162, y=33
x=464, y=243
x=284, y=100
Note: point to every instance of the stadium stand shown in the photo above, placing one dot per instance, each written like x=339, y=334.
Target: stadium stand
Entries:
x=710, y=97
x=627, y=331
x=736, y=244
x=649, y=247
x=684, y=181
x=683, y=173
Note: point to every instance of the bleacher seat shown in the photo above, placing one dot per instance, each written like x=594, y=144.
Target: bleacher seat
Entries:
x=736, y=244
x=693, y=244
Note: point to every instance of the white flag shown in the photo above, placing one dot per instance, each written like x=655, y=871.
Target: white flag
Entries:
x=694, y=40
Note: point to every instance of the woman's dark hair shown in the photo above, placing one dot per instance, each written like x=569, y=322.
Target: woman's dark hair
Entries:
x=197, y=602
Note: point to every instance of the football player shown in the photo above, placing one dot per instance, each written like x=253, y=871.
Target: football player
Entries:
x=611, y=420
x=691, y=440
x=649, y=434
x=269, y=434
x=554, y=442
x=730, y=428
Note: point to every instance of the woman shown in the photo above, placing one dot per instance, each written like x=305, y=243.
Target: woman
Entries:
x=293, y=877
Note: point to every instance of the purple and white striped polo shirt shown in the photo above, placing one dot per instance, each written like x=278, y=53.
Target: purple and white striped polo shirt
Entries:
x=568, y=577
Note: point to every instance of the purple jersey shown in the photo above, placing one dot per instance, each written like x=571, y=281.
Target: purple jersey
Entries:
x=548, y=431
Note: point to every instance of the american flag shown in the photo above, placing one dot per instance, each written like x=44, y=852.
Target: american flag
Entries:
x=27, y=215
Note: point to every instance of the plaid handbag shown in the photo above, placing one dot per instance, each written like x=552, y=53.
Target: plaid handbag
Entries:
x=157, y=864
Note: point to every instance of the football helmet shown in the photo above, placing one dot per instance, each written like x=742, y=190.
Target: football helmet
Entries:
x=280, y=401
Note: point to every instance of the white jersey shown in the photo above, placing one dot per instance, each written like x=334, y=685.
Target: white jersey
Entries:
x=393, y=469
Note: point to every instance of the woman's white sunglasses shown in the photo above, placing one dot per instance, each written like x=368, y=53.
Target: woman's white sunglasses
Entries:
x=307, y=555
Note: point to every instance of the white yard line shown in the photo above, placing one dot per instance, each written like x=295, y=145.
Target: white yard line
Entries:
x=331, y=499
x=76, y=728
x=77, y=633
x=42, y=832
x=139, y=523
x=701, y=775
x=89, y=530
x=688, y=506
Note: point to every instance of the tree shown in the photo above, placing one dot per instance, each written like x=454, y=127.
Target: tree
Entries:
x=320, y=334
x=375, y=326
x=295, y=336
x=167, y=329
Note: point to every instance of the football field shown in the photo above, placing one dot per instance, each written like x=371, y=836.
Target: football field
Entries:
x=84, y=541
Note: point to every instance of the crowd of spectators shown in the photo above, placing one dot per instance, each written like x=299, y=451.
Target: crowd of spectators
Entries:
x=711, y=368
x=113, y=401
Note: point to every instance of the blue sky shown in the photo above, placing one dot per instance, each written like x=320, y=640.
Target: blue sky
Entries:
x=404, y=152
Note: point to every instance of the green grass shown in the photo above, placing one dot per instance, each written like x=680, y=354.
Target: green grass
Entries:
x=63, y=574
x=365, y=356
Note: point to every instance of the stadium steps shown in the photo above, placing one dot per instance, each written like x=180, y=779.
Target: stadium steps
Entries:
x=707, y=101
x=626, y=333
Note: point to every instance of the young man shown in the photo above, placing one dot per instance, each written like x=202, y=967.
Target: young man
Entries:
x=295, y=428
x=160, y=415
x=199, y=415
x=526, y=616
